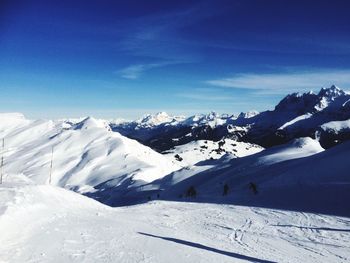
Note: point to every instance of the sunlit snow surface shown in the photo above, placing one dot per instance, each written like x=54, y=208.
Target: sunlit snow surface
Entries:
x=86, y=154
x=45, y=223
x=42, y=223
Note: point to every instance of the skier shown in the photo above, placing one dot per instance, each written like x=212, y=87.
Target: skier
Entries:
x=191, y=192
x=226, y=189
x=253, y=187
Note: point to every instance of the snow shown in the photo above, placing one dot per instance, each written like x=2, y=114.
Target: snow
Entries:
x=42, y=223
x=298, y=213
x=296, y=115
x=212, y=119
x=149, y=120
x=247, y=115
x=209, y=176
x=91, y=123
x=298, y=148
x=295, y=120
x=85, y=154
x=328, y=97
x=336, y=126
x=154, y=121
x=299, y=176
x=201, y=150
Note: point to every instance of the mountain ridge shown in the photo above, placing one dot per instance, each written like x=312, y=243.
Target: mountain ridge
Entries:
x=296, y=115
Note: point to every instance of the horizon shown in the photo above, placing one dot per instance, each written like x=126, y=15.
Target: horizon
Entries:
x=146, y=114
x=125, y=60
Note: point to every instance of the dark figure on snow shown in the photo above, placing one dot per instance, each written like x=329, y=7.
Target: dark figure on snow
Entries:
x=253, y=187
x=191, y=192
x=226, y=189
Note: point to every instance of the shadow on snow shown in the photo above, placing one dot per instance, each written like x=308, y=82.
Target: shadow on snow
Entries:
x=215, y=250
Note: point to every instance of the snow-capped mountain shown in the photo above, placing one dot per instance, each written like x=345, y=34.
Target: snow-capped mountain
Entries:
x=296, y=115
x=86, y=156
x=150, y=120
x=247, y=115
x=162, y=132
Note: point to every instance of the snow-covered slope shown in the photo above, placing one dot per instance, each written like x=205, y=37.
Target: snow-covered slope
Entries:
x=297, y=176
x=334, y=132
x=48, y=224
x=202, y=150
x=336, y=126
x=298, y=148
x=87, y=156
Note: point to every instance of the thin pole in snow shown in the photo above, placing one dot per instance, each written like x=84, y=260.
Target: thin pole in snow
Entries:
x=2, y=159
x=51, y=165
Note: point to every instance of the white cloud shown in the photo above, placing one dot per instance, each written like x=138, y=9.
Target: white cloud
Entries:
x=280, y=83
x=135, y=71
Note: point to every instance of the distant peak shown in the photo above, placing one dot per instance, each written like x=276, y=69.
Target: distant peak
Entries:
x=213, y=115
x=295, y=95
x=248, y=114
x=155, y=119
x=90, y=122
x=332, y=92
x=297, y=102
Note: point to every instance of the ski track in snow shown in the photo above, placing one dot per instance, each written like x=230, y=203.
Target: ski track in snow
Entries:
x=41, y=223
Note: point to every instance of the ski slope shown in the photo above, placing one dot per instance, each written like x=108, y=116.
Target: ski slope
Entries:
x=298, y=176
x=42, y=223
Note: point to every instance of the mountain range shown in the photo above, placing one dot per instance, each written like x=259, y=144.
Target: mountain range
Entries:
x=96, y=157
x=296, y=115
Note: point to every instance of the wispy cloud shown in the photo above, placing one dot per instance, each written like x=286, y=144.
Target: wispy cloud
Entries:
x=135, y=71
x=280, y=83
x=159, y=35
x=213, y=96
x=206, y=94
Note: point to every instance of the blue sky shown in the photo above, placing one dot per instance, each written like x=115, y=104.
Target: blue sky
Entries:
x=116, y=59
